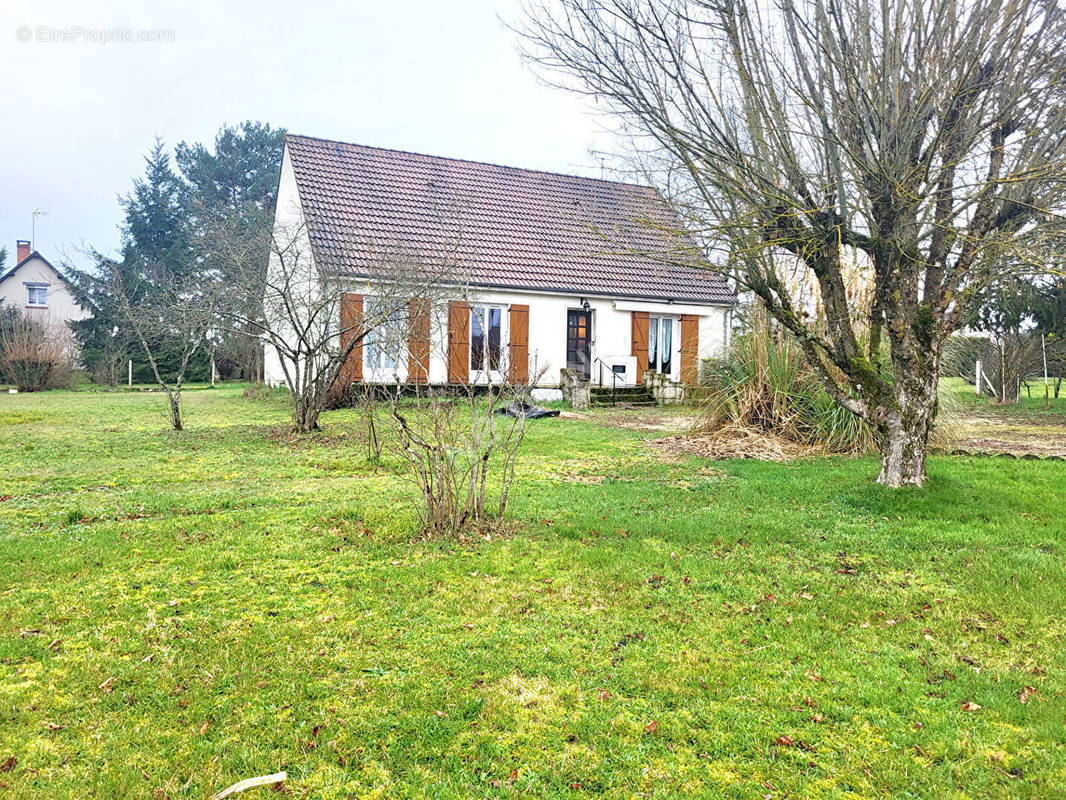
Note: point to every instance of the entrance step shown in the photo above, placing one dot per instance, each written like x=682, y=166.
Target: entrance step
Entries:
x=623, y=395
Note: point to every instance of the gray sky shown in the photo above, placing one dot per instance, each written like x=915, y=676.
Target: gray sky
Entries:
x=431, y=76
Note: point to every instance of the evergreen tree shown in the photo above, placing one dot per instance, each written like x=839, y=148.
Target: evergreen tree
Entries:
x=155, y=249
x=242, y=170
x=165, y=241
x=155, y=231
x=231, y=191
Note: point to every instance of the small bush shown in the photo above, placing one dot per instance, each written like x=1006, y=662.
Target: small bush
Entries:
x=34, y=355
x=765, y=384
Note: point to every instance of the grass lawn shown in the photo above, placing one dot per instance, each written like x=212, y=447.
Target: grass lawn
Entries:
x=181, y=611
x=1031, y=404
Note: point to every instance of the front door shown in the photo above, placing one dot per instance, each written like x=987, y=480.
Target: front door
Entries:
x=579, y=342
x=661, y=345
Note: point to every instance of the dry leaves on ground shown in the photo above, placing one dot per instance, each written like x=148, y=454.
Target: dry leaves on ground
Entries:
x=734, y=441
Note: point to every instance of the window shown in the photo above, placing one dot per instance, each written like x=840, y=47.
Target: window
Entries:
x=486, y=338
x=37, y=294
x=660, y=344
x=386, y=342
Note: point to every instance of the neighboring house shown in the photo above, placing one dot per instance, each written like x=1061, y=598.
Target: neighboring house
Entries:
x=38, y=289
x=569, y=272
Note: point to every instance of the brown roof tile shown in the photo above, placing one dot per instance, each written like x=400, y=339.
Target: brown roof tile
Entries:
x=513, y=228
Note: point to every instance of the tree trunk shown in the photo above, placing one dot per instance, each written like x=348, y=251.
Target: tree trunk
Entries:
x=304, y=415
x=904, y=437
x=175, y=411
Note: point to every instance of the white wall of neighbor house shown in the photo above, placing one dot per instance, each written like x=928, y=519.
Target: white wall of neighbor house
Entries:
x=59, y=305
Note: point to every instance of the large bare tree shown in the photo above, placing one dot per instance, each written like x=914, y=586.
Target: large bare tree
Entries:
x=923, y=140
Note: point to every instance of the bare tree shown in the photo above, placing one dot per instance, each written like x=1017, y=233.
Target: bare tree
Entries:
x=35, y=354
x=302, y=315
x=175, y=314
x=924, y=139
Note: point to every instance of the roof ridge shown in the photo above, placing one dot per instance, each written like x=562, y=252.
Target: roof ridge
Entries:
x=472, y=161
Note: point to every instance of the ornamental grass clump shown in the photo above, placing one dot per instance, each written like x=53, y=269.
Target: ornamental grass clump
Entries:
x=765, y=386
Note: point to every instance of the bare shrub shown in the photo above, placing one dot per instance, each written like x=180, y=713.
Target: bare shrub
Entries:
x=461, y=452
x=455, y=443
x=1008, y=358
x=34, y=355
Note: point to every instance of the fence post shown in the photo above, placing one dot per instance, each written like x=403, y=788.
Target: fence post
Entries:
x=1047, y=394
x=977, y=383
x=129, y=374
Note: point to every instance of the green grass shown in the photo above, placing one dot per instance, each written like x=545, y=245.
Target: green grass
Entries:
x=647, y=628
x=1030, y=404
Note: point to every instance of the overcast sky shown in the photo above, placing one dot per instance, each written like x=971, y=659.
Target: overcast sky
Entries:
x=430, y=76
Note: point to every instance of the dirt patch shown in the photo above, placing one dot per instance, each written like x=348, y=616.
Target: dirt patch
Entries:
x=984, y=431
x=635, y=418
x=1009, y=433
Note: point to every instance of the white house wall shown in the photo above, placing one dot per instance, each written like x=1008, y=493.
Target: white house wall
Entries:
x=611, y=332
x=61, y=307
x=289, y=227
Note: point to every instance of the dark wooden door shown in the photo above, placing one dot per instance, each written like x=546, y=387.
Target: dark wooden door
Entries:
x=579, y=342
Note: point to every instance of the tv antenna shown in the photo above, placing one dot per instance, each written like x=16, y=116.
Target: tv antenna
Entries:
x=33, y=227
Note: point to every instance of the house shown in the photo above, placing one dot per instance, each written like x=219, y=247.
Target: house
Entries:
x=570, y=273
x=38, y=289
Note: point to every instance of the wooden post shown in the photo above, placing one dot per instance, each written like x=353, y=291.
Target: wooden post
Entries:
x=129, y=374
x=977, y=383
x=1043, y=352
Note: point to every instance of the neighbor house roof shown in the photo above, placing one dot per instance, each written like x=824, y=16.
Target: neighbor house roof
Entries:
x=507, y=227
x=7, y=273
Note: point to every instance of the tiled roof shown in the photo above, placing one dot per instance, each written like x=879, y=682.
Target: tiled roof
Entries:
x=507, y=227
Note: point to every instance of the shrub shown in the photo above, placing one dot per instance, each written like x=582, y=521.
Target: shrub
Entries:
x=960, y=354
x=765, y=384
x=456, y=445
x=34, y=355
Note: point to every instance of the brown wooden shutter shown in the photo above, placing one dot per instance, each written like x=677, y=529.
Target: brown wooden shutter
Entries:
x=418, y=342
x=640, y=342
x=458, y=342
x=351, y=322
x=690, y=341
x=518, y=365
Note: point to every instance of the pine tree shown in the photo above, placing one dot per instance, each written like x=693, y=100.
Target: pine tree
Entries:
x=155, y=251
x=234, y=189
x=155, y=231
x=242, y=170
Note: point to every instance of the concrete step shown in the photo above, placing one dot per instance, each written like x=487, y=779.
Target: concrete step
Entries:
x=628, y=391
x=623, y=402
